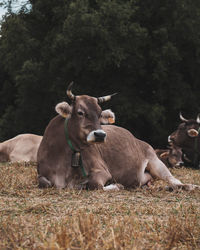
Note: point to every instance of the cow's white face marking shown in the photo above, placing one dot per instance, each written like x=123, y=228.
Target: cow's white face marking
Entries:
x=92, y=138
x=169, y=139
x=198, y=119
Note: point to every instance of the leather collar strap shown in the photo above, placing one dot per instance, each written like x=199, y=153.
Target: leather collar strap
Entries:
x=73, y=149
x=67, y=137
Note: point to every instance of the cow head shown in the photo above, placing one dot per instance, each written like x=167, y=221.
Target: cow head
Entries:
x=175, y=156
x=186, y=133
x=85, y=117
x=172, y=157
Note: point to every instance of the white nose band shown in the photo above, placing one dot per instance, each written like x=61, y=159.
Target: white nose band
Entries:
x=91, y=137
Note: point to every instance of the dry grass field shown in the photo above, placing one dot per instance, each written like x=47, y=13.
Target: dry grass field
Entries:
x=144, y=218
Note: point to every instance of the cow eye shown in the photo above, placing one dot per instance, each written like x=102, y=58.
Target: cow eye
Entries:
x=80, y=113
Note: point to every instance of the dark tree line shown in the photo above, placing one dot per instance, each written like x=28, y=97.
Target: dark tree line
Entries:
x=147, y=51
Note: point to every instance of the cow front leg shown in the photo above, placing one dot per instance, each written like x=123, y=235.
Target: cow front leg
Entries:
x=97, y=179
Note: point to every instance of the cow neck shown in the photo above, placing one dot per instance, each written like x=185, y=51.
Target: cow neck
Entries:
x=76, y=155
x=192, y=158
x=196, y=161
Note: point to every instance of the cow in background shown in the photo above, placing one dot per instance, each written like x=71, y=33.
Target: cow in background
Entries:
x=171, y=157
x=21, y=148
x=187, y=137
x=78, y=152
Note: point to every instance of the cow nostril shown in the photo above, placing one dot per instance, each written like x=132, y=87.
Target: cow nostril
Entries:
x=100, y=135
x=96, y=136
x=179, y=164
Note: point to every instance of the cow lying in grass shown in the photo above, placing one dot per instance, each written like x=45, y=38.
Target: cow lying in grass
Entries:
x=187, y=137
x=21, y=148
x=171, y=157
x=78, y=152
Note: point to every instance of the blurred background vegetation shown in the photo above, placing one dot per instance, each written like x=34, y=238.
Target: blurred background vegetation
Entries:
x=147, y=51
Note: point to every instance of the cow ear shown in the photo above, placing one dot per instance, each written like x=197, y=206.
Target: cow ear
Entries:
x=63, y=109
x=107, y=117
x=164, y=155
x=192, y=132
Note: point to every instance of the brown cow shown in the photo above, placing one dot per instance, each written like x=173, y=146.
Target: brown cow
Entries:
x=187, y=137
x=171, y=157
x=21, y=148
x=105, y=154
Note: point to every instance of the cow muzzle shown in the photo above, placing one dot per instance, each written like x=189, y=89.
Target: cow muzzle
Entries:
x=96, y=136
x=179, y=164
x=169, y=139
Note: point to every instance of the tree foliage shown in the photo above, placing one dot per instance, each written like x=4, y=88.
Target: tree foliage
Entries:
x=147, y=51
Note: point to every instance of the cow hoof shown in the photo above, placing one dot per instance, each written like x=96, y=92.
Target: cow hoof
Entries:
x=189, y=187
x=43, y=182
x=169, y=188
x=149, y=184
x=83, y=185
x=113, y=187
x=186, y=187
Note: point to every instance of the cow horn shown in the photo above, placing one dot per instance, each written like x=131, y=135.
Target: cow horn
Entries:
x=105, y=98
x=182, y=118
x=198, y=118
x=69, y=92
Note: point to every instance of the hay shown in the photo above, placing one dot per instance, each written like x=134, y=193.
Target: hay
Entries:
x=142, y=218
